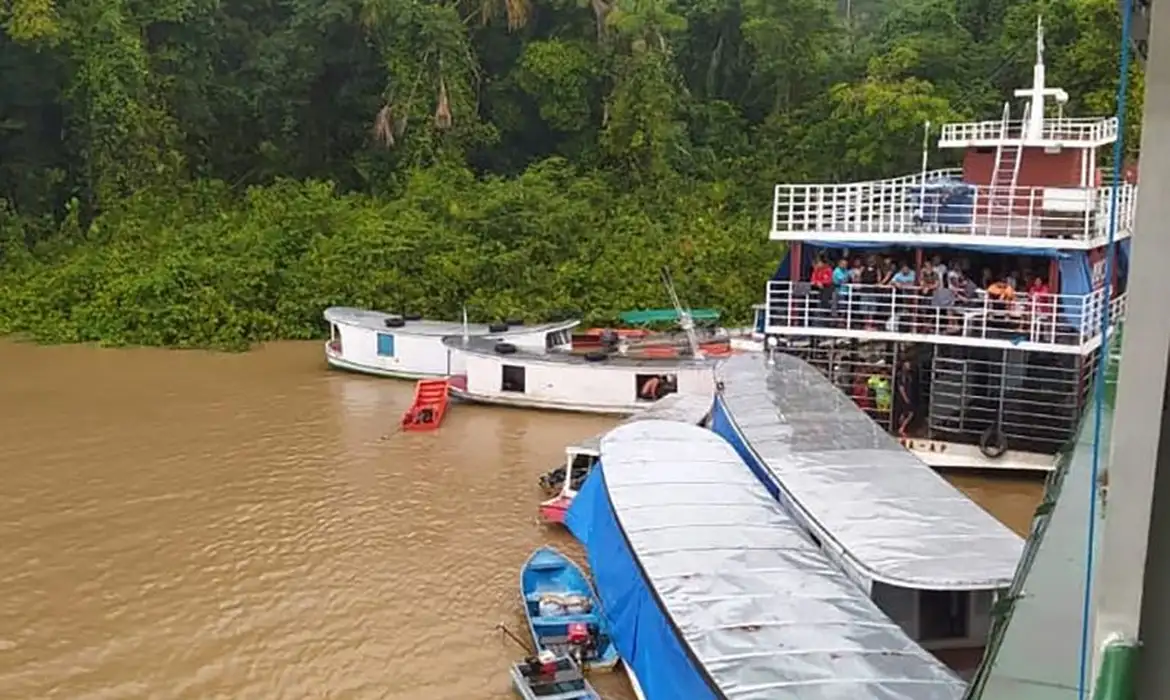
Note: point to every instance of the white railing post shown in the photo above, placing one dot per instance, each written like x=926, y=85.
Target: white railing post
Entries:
x=776, y=208
x=847, y=291
x=792, y=207
x=983, y=316
x=1031, y=213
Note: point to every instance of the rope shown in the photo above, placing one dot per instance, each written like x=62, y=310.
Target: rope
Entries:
x=1083, y=685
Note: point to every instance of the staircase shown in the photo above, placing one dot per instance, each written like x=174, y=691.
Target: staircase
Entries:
x=1001, y=193
x=429, y=406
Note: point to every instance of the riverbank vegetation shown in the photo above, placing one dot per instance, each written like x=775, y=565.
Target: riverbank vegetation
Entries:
x=199, y=173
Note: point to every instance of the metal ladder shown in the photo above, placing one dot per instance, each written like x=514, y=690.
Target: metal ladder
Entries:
x=1001, y=194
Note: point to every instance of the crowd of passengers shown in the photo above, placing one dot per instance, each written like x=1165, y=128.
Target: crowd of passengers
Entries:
x=879, y=290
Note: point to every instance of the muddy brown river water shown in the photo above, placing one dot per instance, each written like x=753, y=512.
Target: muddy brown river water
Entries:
x=198, y=525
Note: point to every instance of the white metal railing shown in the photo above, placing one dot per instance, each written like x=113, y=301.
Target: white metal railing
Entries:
x=904, y=206
x=1065, y=320
x=1090, y=130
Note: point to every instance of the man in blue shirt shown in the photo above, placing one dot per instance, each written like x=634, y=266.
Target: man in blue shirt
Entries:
x=904, y=282
x=840, y=283
x=903, y=278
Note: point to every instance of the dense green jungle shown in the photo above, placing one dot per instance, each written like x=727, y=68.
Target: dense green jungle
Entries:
x=213, y=173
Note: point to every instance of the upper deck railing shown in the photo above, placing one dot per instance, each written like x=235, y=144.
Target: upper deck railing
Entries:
x=902, y=210
x=1065, y=323
x=1085, y=131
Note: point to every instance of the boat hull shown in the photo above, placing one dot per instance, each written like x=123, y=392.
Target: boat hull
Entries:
x=577, y=687
x=547, y=576
x=553, y=510
x=343, y=364
x=542, y=404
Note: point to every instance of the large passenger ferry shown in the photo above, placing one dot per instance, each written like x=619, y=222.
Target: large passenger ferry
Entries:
x=962, y=308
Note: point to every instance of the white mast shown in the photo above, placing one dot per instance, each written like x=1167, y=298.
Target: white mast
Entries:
x=1033, y=130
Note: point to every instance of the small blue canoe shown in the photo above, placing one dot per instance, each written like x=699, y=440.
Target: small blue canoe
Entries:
x=553, y=678
x=563, y=612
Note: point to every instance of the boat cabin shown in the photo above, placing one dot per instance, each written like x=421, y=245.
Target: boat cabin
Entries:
x=409, y=347
x=488, y=371
x=932, y=559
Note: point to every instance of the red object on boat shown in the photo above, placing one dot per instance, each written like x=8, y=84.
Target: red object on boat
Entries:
x=554, y=509
x=429, y=406
x=578, y=633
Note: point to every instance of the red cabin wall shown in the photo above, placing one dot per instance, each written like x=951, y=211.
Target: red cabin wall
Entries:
x=1037, y=169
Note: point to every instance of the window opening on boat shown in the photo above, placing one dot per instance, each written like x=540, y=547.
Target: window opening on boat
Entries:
x=899, y=604
x=943, y=615
x=579, y=467
x=557, y=339
x=385, y=345
x=651, y=387
x=935, y=291
x=334, y=338
x=512, y=379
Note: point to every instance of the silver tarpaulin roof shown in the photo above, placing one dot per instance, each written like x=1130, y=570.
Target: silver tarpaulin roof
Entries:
x=684, y=408
x=759, y=605
x=896, y=519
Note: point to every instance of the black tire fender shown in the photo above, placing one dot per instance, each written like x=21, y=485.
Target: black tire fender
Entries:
x=992, y=443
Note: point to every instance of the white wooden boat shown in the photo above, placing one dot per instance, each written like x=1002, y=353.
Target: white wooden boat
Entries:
x=582, y=456
x=486, y=370
x=407, y=347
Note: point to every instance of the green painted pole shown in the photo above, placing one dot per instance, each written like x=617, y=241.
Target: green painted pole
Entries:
x=1116, y=679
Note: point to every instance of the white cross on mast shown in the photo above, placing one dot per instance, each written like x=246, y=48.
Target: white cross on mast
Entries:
x=1034, y=128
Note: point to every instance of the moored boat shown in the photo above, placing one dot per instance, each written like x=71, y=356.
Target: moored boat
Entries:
x=551, y=677
x=639, y=336
x=563, y=613
x=409, y=347
x=581, y=457
x=713, y=591
x=928, y=556
x=969, y=305
x=487, y=371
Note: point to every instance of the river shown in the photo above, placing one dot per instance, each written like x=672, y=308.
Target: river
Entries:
x=182, y=524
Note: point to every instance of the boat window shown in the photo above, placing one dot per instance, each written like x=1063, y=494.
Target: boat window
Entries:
x=512, y=379
x=385, y=345
x=898, y=605
x=943, y=615
x=651, y=387
x=557, y=339
x=334, y=332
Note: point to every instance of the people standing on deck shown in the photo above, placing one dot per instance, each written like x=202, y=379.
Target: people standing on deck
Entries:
x=822, y=281
x=903, y=282
x=879, y=385
x=904, y=397
x=1042, y=309
x=869, y=278
x=940, y=269
x=840, y=283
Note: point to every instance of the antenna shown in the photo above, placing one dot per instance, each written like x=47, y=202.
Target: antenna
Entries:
x=685, y=320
